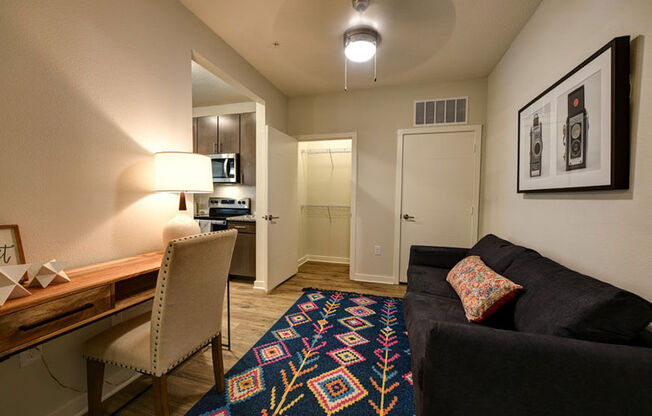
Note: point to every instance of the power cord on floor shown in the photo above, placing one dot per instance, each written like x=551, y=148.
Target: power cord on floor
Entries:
x=59, y=382
x=65, y=386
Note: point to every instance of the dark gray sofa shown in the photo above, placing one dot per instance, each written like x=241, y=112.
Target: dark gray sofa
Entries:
x=567, y=345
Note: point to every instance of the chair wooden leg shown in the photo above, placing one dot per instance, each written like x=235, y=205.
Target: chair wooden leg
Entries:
x=94, y=382
x=218, y=363
x=160, y=385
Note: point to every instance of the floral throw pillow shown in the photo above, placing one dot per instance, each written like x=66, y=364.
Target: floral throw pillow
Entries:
x=481, y=290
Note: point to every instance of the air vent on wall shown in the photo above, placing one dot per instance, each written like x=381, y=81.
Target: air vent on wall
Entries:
x=440, y=111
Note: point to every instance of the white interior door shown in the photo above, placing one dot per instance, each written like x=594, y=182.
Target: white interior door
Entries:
x=439, y=189
x=282, y=216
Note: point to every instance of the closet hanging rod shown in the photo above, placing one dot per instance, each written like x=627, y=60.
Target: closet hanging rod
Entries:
x=321, y=151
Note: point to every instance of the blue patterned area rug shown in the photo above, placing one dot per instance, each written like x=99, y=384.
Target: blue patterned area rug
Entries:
x=331, y=353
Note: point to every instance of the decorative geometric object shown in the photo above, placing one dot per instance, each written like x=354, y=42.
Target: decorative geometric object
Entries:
x=10, y=278
x=363, y=301
x=336, y=389
x=359, y=311
x=50, y=272
x=297, y=319
x=244, y=386
x=322, y=368
x=271, y=353
x=354, y=323
x=285, y=334
x=351, y=339
x=346, y=356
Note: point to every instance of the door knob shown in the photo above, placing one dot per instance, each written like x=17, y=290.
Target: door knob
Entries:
x=270, y=217
x=407, y=217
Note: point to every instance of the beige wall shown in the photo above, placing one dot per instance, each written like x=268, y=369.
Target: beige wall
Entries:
x=323, y=234
x=89, y=90
x=604, y=234
x=376, y=115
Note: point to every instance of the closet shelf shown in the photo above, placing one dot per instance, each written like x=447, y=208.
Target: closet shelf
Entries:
x=326, y=206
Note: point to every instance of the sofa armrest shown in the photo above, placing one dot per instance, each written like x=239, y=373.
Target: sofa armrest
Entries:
x=471, y=369
x=442, y=257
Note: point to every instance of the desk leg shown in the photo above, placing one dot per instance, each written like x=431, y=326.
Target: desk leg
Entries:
x=228, y=313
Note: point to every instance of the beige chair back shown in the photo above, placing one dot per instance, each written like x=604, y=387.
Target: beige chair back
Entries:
x=189, y=297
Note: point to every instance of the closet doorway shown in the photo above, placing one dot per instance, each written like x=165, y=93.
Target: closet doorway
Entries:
x=326, y=198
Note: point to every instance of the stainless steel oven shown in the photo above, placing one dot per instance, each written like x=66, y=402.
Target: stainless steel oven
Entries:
x=226, y=167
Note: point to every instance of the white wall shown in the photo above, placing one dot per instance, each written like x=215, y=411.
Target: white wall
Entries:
x=324, y=235
x=376, y=115
x=89, y=90
x=218, y=110
x=603, y=234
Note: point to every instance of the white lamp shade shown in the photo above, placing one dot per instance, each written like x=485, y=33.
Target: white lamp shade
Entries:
x=182, y=172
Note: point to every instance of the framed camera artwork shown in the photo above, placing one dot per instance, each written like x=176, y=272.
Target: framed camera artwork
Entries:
x=575, y=135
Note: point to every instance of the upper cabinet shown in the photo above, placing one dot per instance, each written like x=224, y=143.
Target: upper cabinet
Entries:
x=248, y=148
x=230, y=133
x=205, y=132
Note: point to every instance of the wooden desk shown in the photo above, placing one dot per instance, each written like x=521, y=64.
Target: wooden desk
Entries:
x=93, y=293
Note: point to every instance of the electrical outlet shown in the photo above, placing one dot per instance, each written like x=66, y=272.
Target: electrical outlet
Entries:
x=377, y=251
x=28, y=357
x=116, y=319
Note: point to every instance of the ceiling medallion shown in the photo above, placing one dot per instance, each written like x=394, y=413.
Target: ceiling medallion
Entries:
x=360, y=43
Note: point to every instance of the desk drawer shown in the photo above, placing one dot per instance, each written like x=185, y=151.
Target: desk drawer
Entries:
x=44, y=319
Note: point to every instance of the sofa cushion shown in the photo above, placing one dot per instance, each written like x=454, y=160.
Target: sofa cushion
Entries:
x=560, y=301
x=496, y=252
x=482, y=290
x=430, y=280
x=420, y=310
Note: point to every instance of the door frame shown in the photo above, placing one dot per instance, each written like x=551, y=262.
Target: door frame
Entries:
x=353, y=136
x=476, y=129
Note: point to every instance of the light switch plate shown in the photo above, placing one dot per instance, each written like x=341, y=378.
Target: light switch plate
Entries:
x=377, y=251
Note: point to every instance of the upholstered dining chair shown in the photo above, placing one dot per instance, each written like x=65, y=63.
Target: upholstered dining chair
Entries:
x=186, y=316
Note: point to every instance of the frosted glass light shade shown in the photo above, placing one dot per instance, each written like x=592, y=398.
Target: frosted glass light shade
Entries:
x=182, y=172
x=360, y=50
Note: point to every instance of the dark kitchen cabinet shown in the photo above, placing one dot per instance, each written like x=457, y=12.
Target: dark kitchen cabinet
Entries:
x=243, y=261
x=229, y=133
x=205, y=135
x=248, y=149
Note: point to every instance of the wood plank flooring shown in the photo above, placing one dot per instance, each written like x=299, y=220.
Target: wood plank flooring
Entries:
x=252, y=314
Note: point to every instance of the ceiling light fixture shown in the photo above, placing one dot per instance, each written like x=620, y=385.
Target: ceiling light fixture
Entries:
x=360, y=43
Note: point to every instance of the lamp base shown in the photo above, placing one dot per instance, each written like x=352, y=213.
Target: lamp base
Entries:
x=179, y=226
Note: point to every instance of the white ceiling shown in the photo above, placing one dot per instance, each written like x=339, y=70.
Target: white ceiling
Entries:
x=422, y=40
x=208, y=89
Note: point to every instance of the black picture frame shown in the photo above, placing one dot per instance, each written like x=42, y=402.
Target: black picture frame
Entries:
x=620, y=120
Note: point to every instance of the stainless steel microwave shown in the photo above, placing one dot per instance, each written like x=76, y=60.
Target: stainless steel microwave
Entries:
x=226, y=167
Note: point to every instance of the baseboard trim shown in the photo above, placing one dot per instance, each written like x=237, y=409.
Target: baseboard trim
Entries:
x=323, y=259
x=373, y=278
x=302, y=261
x=260, y=285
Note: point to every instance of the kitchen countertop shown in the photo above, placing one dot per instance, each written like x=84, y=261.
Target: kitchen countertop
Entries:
x=242, y=218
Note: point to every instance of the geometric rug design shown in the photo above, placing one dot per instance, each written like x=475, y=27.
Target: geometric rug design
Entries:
x=331, y=353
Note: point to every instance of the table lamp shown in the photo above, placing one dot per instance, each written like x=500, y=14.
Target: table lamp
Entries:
x=182, y=172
